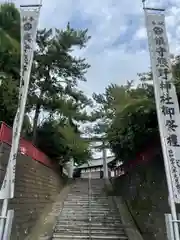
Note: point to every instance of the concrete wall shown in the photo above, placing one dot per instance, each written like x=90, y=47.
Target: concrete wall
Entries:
x=144, y=189
x=36, y=186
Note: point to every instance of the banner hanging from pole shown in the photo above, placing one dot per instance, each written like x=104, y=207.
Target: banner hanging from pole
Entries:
x=165, y=96
x=29, y=22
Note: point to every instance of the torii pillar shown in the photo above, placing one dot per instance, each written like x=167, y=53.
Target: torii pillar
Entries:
x=105, y=167
x=69, y=166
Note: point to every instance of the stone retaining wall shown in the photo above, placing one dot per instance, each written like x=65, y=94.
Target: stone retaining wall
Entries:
x=144, y=190
x=36, y=186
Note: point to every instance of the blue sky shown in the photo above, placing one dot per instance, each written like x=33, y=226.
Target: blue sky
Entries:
x=118, y=48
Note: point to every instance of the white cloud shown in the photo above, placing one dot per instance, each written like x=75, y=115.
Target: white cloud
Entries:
x=170, y=20
x=140, y=34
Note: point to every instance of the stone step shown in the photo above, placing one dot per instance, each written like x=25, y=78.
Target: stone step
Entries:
x=86, y=186
x=87, y=231
x=81, y=203
x=87, y=190
x=73, y=221
x=83, y=236
x=86, y=199
x=86, y=223
x=98, y=193
x=92, y=202
x=93, y=216
x=81, y=193
x=86, y=193
x=108, y=231
x=93, y=207
x=93, y=227
x=87, y=206
x=93, y=219
x=97, y=211
x=92, y=198
x=87, y=210
x=92, y=187
x=82, y=200
x=84, y=216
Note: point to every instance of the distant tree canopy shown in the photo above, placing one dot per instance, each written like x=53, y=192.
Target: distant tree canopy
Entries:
x=53, y=88
x=128, y=114
x=64, y=141
x=9, y=61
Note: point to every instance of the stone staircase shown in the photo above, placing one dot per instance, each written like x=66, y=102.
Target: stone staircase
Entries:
x=89, y=214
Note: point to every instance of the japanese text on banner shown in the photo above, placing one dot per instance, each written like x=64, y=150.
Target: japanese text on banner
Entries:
x=29, y=21
x=165, y=95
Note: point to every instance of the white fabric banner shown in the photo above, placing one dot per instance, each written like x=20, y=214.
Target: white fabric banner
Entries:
x=29, y=22
x=165, y=96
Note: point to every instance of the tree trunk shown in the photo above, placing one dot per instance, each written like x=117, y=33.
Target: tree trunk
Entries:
x=37, y=111
x=35, y=123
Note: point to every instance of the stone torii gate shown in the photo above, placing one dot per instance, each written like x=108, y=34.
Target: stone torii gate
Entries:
x=69, y=166
x=102, y=146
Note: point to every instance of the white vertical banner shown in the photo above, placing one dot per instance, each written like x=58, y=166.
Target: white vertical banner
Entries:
x=29, y=22
x=165, y=96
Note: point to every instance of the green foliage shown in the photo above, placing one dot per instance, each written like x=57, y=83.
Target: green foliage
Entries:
x=9, y=40
x=53, y=90
x=9, y=61
x=176, y=73
x=10, y=20
x=8, y=100
x=56, y=73
x=129, y=116
x=61, y=141
x=128, y=113
x=133, y=129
